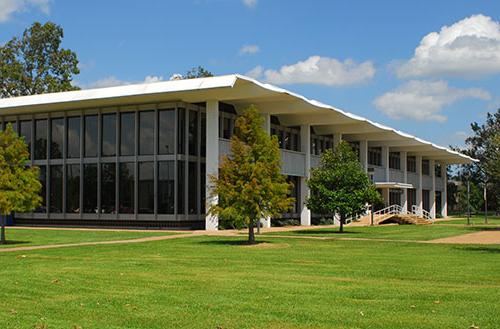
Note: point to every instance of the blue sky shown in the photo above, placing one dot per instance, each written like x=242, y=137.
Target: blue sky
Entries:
x=356, y=55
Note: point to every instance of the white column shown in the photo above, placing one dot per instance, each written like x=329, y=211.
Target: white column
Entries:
x=403, y=157
x=266, y=222
x=385, y=162
x=337, y=137
x=363, y=154
x=305, y=147
x=444, y=193
x=418, y=159
x=212, y=160
x=432, y=194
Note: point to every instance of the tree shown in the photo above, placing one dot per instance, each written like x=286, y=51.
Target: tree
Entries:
x=484, y=145
x=340, y=185
x=198, y=72
x=36, y=63
x=475, y=198
x=19, y=184
x=250, y=185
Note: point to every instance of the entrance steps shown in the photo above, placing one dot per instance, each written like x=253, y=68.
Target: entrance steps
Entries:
x=393, y=214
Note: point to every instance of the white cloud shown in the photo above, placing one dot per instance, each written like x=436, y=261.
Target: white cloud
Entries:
x=9, y=7
x=424, y=100
x=250, y=3
x=249, y=49
x=321, y=71
x=469, y=48
x=256, y=72
x=113, y=81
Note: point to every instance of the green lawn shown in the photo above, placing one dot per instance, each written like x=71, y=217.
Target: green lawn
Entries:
x=216, y=282
x=21, y=237
x=475, y=220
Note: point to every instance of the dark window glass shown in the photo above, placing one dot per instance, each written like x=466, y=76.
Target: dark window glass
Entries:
x=127, y=181
x=166, y=187
x=375, y=156
x=181, y=130
x=43, y=192
x=26, y=133
x=193, y=133
x=426, y=167
x=57, y=135
x=73, y=137
x=193, y=188
x=146, y=132
x=437, y=170
x=426, y=200
x=73, y=188
x=146, y=188
x=181, y=185
x=90, y=136
x=108, y=188
x=166, y=128
x=41, y=139
x=411, y=164
x=394, y=160
x=203, y=146
x=203, y=188
x=13, y=124
x=108, y=147
x=127, y=133
x=56, y=189
x=90, y=188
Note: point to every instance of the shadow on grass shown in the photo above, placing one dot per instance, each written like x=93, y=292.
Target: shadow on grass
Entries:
x=228, y=242
x=483, y=228
x=325, y=231
x=14, y=242
x=482, y=249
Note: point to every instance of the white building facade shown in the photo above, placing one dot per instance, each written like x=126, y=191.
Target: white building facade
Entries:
x=141, y=155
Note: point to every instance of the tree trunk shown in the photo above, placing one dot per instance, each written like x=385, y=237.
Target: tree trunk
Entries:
x=251, y=234
x=2, y=230
x=342, y=218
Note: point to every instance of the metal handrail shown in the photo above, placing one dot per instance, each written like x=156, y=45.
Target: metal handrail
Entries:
x=419, y=211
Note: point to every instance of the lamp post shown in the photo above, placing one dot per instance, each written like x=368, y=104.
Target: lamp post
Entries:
x=485, y=203
x=468, y=198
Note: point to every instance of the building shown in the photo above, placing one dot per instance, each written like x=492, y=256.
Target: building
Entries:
x=140, y=155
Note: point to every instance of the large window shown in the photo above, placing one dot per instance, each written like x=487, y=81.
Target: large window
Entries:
x=127, y=187
x=73, y=188
x=73, y=150
x=41, y=139
x=108, y=135
x=90, y=136
x=108, y=188
x=166, y=187
x=193, y=133
x=426, y=167
x=56, y=189
x=437, y=170
x=395, y=160
x=192, y=188
x=127, y=133
x=43, y=192
x=90, y=188
x=288, y=138
x=411, y=164
x=181, y=130
x=146, y=132
x=146, y=188
x=57, y=136
x=375, y=156
x=203, y=131
x=25, y=130
x=426, y=200
x=181, y=186
x=166, y=129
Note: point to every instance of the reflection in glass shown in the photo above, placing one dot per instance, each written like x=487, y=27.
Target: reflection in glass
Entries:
x=146, y=188
x=193, y=133
x=90, y=188
x=127, y=133
x=108, y=188
x=203, y=146
x=41, y=139
x=146, y=132
x=166, y=128
x=90, y=136
x=73, y=137
x=127, y=178
x=73, y=188
x=108, y=135
x=181, y=130
x=43, y=192
x=192, y=188
x=56, y=187
x=181, y=187
x=25, y=131
x=57, y=135
x=166, y=187
x=203, y=187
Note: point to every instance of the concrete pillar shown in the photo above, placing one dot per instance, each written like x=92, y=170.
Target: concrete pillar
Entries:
x=385, y=162
x=418, y=159
x=337, y=137
x=444, y=193
x=266, y=222
x=432, y=194
x=363, y=154
x=305, y=147
x=212, y=160
x=404, y=169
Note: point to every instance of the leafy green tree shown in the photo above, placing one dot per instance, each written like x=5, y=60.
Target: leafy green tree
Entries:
x=19, y=184
x=476, y=198
x=340, y=185
x=36, y=63
x=198, y=72
x=250, y=185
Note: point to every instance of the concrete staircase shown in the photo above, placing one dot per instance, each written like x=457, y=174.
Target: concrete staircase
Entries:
x=394, y=214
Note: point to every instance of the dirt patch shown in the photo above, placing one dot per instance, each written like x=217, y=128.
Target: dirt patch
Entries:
x=484, y=237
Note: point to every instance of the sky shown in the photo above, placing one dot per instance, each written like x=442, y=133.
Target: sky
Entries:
x=428, y=68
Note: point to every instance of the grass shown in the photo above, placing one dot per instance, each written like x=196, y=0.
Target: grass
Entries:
x=218, y=282
x=475, y=220
x=21, y=237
